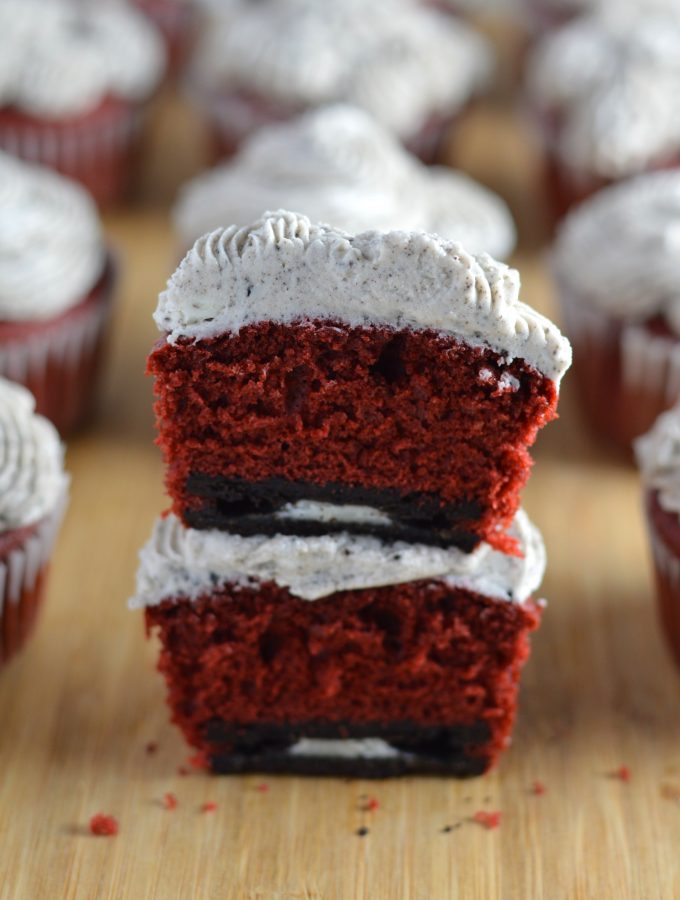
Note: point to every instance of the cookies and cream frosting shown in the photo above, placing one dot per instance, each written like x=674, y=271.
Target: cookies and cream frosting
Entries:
x=188, y=563
x=286, y=269
x=62, y=58
x=399, y=61
x=339, y=165
x=51, y=247
x=658, y=457
x=612, y=80
x=32, y=478
x=620, y=250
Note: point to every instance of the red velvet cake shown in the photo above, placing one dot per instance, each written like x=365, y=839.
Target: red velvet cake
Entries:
x=340, y=654
x=391, y=371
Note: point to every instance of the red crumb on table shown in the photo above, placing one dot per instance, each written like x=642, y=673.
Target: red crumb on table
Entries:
x=198, y=761
x=488, y=819
x=622, y=773
x=104, y=825
x=151, y=748
x=538, y=788
x=370, y=804
x=183, y=771
x=262, y=788
x=170, y=801
x=210, y=806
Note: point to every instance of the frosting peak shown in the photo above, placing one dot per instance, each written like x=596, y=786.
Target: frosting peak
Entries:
x=32, y=478
x=613, y=79
x=339, y=165
x=396, y=59
x=621, y=249
x=62, y=58
x=284, y=267
x=51, y=247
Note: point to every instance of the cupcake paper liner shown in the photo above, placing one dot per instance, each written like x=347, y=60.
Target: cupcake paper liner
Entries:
x=59, y=360
x=98, y=151
x=626, y=374
x=667, y=574
x=22, y=578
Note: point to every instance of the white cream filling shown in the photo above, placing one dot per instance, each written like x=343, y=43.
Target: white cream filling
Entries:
x=315, y=511
x=188, y=563
x=338, y=165
x=284, y=268
x=363, y=748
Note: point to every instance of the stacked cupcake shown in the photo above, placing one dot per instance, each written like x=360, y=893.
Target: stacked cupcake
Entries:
x=344, y=583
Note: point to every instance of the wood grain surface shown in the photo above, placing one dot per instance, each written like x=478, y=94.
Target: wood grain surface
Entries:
x=79, y=706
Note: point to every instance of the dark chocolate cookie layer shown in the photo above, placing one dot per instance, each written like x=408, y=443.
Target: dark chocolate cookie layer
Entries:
x=244, y=507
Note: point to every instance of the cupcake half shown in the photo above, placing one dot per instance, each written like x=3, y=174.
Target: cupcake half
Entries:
x=74, y=82
x=658, y=455
x=342, y=167
x=617, y=266
x=411, y=68
x=33, y=496
x=56, y=289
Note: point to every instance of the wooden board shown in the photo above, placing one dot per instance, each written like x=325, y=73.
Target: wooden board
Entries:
x=79, y=706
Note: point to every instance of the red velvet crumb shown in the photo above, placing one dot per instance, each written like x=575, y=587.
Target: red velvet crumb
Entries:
x=262, y=788
x=151, y=748
x=538, y=788
x=370, y=804
x=170, y=801
x=198, y=761
x=210, y=806
x=489, y=820
x=102, y=824
x=183, y=771
x=623, y=774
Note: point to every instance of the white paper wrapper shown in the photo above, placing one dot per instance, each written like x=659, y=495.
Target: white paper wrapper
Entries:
x=20, y=570
x=57, y=361
x=94, y=152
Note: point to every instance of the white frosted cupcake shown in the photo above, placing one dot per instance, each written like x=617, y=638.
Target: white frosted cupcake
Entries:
x=617, y=265
x=338, y=165
x=33, y=494
x=74, y=81
x=411, y=68
x=56, y=286
x=603, y=90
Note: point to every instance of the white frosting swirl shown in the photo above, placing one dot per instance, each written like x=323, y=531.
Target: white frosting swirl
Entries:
x=399, y=61
x=51, y=247
x=32, y=478
x=658, y=456
x=339, y=165
x=613, y=80
x=62, y=58
x=185, y=562
x=284, y=268
x=620, y=250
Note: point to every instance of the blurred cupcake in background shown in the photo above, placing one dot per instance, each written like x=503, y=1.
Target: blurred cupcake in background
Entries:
x=413, y=69
x=75, y=79
x=33, y=496
x=338, y=165
x=603, y=91
x=56, y=286
x=177, y=21
x=658, y=456
x=617, y=266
